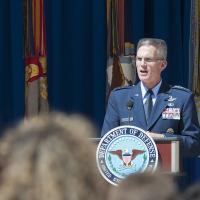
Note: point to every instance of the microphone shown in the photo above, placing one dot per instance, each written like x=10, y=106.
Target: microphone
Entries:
x=129, y=107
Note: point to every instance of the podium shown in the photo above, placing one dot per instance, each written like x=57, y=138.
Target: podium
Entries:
x=168, y=153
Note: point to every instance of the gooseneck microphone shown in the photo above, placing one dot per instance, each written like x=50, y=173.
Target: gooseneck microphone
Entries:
x=129, y=107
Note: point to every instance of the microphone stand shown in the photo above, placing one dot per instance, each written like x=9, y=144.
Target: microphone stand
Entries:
x=129, y=107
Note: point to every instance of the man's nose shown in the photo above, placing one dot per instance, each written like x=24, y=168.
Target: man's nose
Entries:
x=143, y=63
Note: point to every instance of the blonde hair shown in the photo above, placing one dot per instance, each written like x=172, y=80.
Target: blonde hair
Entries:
x=50, y=157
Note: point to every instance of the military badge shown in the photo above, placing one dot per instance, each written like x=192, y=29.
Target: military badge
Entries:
x=171, y=113
x=125, y=150
x=171, y=99
x=170, y=104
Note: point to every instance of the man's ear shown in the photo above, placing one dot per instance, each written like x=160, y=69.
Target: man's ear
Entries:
x=164, y=64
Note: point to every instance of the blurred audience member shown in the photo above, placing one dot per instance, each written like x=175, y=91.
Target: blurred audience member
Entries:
x=50, y=158
x=192, y=193
x=145, y=186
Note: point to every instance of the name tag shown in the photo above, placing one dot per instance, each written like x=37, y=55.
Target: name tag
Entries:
x=126, y=119
x=171, y=113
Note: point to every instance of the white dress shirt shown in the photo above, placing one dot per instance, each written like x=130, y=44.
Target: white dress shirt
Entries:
x=154, y=90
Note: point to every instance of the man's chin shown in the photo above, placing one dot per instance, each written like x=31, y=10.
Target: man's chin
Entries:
x=144, y=79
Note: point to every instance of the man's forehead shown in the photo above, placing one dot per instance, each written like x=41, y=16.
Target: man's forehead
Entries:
x=147, y=49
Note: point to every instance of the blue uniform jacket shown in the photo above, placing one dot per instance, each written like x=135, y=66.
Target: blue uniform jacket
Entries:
x=185, y=126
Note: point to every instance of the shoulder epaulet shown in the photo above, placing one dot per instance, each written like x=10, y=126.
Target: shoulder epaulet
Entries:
x=123, y=87
x=180, y=88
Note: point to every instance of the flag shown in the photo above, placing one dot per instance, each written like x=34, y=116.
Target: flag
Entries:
x=35, y=58
x=121, y=69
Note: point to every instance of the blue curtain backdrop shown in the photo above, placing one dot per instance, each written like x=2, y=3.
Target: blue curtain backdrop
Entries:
x=76, y=43
x=11, y=63
x=166, y=19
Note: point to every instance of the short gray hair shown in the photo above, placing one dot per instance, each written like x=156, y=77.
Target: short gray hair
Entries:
x=158, y=43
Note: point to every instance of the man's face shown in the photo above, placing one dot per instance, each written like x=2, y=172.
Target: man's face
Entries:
x=149, y=65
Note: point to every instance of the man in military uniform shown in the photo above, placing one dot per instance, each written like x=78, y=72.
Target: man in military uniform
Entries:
x=153, y=105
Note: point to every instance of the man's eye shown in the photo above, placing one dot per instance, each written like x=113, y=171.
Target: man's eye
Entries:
x=148, y=59
x=139, y=59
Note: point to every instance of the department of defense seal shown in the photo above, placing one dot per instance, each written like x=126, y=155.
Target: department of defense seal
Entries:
x=125, y=150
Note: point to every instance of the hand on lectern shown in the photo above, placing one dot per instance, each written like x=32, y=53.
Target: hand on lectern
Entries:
x=155, y=135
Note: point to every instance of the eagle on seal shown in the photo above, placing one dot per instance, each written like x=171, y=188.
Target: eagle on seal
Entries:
x=127, y=157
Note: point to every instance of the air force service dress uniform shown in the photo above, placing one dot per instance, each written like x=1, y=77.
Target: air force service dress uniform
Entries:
x=173, y=114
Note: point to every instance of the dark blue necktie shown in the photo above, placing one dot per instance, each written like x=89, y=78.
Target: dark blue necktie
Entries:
x=148, y=105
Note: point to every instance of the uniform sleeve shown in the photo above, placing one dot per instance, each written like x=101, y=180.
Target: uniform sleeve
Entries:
x=111, y=119
x=189, y=129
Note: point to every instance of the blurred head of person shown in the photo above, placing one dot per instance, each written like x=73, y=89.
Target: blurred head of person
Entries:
x=145, y=186
x=50, y=157
x=192, y=192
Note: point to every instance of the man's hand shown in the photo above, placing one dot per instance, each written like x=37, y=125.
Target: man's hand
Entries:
x=155, y=135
